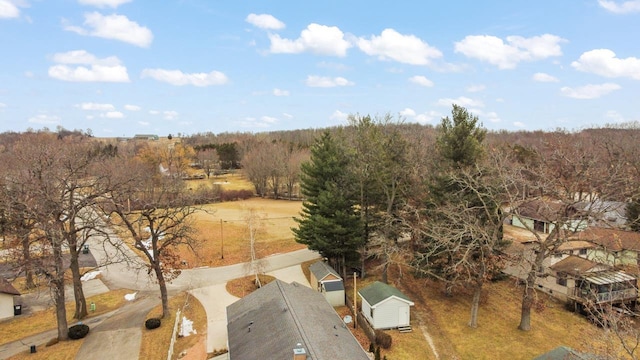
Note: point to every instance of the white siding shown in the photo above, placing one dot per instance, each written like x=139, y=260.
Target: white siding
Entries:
x=366, y=310
x=386, y=314
x=335, y=298
x=6, y=306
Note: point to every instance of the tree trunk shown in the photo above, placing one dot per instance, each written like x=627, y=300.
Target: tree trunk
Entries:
x=163, y=289
x=78, y=292
x=28, y=268
x=385, y=272
x=475, y=304
x=58, y=293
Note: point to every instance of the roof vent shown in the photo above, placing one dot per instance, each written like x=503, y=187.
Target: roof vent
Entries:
x=299, y=352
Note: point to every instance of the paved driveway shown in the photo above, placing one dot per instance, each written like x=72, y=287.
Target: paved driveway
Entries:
x=215, y=300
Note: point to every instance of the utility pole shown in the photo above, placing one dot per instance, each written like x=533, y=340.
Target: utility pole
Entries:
x=355, y=302
x=221, y=242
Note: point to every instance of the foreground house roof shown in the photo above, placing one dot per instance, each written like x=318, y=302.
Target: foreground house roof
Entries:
x=7, y=288
x=576, y=265
x=270, y=322
x=566, y=353
x=379, y=291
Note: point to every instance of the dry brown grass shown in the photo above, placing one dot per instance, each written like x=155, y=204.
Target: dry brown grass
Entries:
x=155, y=343
x=65, y=350
x=27, y=325
x=232, y=181
x=275, y=235
x=496, y=337
x=246, y=285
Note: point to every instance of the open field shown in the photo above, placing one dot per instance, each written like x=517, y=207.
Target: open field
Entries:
x=223, y=229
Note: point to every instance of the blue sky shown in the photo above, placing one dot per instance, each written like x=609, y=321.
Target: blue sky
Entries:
x=121, y=67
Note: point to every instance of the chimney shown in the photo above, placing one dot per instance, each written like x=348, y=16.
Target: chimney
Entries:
x=299, y=353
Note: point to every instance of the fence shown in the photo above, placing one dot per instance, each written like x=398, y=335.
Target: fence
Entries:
x=173, y=335
x=362, y=322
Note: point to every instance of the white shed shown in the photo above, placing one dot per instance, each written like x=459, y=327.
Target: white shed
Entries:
x=385, y=307
x=7, y=294
x=327, y=281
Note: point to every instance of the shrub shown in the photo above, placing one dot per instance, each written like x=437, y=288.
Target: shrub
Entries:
x=78, y=331
x=383, y=339
x=152, y=323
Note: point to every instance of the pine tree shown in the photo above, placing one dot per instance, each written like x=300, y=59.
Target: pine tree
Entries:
x=329, y=223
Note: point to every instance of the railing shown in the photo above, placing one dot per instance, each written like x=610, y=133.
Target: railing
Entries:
x=609, y=296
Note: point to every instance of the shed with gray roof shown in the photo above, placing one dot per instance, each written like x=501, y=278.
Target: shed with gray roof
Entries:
x=327, y=281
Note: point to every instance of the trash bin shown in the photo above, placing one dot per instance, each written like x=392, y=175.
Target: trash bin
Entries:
x=32, y=349
x=92, y=306
x=17, y=310
x=85, y=249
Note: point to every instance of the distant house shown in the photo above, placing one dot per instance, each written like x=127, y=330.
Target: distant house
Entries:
x=614, y=247
x=7, y=297
x=385, y=307
x=146, y=137
x=288, y=321
x=542, y=216
x=580, y=281
x=327, y=281
x=605, y=214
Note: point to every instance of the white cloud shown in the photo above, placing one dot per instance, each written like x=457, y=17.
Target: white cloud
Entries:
x=132, y=107
x=462, y=101
x=614, y=116
x=518, y=124
x=143, y=123
x=44, y=119
x=114, y=26
x=178, y=78
x=288, y=116
x=112, y=115
x=427, y=117
x=543, y=77
x=624, y=8
x=475, y=88
x=2, y=106
x=317, y=39
x=339, y=115
x=98, y=70
x=516, y=49
x=605, y=63
x=265, y=21
x=104, y=3
x=170, y=114
x=406, y=49
x=279, y=92
x=408, y=112
x=154, y=112
x=589, y=91
x=95, y=106
x=269, y=119
x=323, y=81
x=421, y=80
x=8, y=10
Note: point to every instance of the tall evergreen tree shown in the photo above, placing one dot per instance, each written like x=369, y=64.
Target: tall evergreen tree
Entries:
x=329, y=222
x=463, y=230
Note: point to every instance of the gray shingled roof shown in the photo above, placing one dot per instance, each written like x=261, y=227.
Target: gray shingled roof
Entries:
x=335, y=285
x=7, y=288
x=378, y=292
x=566, y=353
x=321, y=270
x=268, y=323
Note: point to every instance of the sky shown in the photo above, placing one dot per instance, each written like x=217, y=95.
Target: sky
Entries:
x=125, y=67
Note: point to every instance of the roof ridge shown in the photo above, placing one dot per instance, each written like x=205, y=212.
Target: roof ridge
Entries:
x=294, y=316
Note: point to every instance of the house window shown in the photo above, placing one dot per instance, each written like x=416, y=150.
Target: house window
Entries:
x=557, y=256
x=583, y=252
x=538, y=226
x=371, y=313
x=561, y=279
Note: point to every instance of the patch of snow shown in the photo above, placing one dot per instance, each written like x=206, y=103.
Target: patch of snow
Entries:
x=90, y=275
x=130, y=297
x=186, y=327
